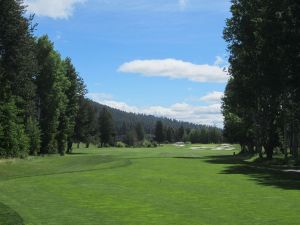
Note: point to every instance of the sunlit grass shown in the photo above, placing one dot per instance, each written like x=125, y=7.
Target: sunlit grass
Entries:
x=135, y=186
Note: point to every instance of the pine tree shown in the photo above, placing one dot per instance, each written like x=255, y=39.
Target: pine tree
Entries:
x=17, y=72
x=52, y=84
x=34, y=135
x=105, y=127
x=180, y=133
x=159, y=132
x=13, y=140
x=74, y=93
x=139, y=129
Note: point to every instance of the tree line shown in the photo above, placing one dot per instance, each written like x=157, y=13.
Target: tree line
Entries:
x=40, y=91
x=261, y=104
x=122, y=128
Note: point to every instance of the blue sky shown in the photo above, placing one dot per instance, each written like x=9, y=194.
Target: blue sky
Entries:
x=161, y=57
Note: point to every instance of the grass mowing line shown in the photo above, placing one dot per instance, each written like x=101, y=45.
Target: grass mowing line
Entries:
x=123, y=163
x=9, y=216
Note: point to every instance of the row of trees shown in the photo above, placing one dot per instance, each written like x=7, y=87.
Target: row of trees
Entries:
x=96, y=125
x=40, y=91
x=130, y=128
x=171, y=135
x=262, y=99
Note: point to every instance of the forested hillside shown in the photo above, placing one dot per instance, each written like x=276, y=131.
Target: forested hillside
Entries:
x=125, y=123
x=131, y=119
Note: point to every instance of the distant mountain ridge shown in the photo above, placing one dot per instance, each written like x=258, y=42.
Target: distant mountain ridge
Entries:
x=131, y=119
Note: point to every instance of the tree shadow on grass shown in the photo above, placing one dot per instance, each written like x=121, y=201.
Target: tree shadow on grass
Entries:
x=9, y=217
x=78, y=153
x=227, y=159
x=186, y=157
x=263, y=175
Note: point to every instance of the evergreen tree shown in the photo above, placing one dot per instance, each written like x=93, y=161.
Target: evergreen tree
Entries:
x=180, y=133
x=52, y=85
x=13, y=140
x=34, y=134
x=105, y=127
x=17, y=71
x=263, y=40
x=75, y=91
x=139, y=129
x=170, y=135
x=91, y=125
x=159, y=132
x=131, y=138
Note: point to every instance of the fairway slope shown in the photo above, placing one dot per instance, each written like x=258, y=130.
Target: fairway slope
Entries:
x=160, y=186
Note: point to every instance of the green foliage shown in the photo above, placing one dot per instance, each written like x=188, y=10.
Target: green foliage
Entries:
x=159, y=132
x=263, y=41
x=149, y=144
x=180, y=133
x=74, y=93
x=170, y=135
x=34, y=135
x=120, y=144
x=13, y=140
x=17, y=56
x=105, y=126
x=86, y=124
x=62, y=134
x=140, y=133
x=52, y=86
x=131, y=138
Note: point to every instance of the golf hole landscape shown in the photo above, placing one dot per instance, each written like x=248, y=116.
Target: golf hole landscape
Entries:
x=166, y=185
x=149, y=112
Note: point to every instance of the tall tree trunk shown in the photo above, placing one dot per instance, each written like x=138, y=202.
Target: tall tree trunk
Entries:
x=243, y=148
x=69, y=147
x=269, y=151
x=285, y=141
x=250, y=148
x=295, y=145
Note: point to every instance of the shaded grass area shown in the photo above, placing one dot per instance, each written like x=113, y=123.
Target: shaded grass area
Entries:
x=261, y=173
x=8, y=216
x=161, y=186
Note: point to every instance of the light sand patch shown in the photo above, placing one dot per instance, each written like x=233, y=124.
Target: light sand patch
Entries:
x=179, y=144
x=201, y=148
x=223, y=147
x=295, y=171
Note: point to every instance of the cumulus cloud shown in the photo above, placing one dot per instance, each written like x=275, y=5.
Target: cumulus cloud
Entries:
x=213, y=97
x=57, y=9
x=208, y=115
x=176, y=69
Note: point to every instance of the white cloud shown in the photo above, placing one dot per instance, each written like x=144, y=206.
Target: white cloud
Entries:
x=100, y=96
x=182, y=3
x=213, y=97
x=176, y=69
x=57, y=9
x=208, y=115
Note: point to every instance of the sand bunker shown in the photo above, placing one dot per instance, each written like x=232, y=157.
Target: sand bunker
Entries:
x=223, y=147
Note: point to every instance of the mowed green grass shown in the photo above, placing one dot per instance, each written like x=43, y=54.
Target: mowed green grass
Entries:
x=166, y=185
